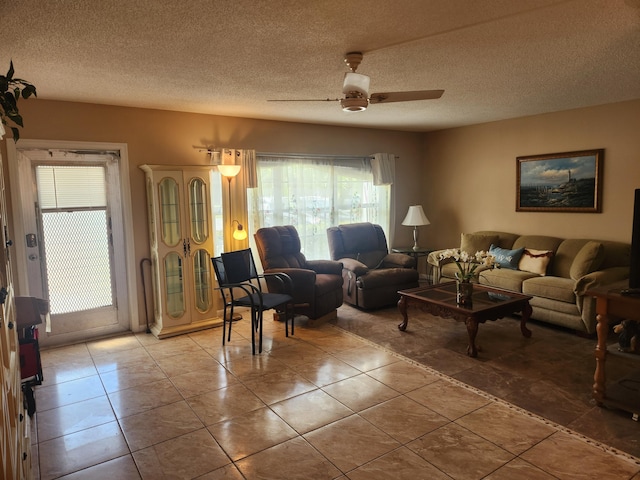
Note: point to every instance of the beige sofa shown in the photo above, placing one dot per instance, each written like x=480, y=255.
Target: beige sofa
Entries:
x=556, y=272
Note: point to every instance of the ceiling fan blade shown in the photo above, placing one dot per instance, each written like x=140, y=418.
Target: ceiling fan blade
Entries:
x=307, y=100
x=389, y=97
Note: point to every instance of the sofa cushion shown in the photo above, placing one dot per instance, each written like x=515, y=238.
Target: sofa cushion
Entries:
x=505, y=239
x=359, y=237
x=588, y=260
x=504, y=278
x=555, y=288
x=539, y=242
x=472, y=242
x=535, y=261
x=506, y=258
x=449, y=270
x=372, y=259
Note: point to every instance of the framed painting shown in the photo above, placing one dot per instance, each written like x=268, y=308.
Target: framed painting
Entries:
x=560, y=182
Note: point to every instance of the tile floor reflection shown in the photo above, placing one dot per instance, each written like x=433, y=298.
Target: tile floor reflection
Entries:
x=322, y=404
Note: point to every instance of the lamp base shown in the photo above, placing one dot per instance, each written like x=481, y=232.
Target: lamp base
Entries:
x=415, y=239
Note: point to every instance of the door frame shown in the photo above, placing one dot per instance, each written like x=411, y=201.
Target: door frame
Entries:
x=18, y=215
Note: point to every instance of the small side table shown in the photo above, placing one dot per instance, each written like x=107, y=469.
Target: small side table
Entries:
x=421, y=252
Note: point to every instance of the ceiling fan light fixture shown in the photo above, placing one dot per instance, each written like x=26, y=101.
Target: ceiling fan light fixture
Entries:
x=356, y=82
x=354, y=104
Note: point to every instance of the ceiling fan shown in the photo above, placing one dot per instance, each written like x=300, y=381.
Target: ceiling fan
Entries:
x=356, y=90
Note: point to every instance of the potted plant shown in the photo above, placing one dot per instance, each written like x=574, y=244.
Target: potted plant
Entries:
x=11, y=89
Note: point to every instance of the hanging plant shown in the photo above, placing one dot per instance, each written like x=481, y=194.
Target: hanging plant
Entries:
x=11, y=89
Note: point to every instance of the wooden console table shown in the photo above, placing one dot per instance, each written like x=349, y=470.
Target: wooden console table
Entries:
x=611, y=308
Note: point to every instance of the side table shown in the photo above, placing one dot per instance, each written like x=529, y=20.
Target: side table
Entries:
x=417, y=254
x=611, y=307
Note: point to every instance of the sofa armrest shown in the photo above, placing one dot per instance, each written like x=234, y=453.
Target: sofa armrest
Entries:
x=298, y=276
x=331, y=267
x=398, y=260
x=600, y=278
x=355, y=266
x=433, y=258
x=436, y=264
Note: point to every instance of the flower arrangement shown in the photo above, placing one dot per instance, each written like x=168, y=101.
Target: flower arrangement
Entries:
x=467, y=264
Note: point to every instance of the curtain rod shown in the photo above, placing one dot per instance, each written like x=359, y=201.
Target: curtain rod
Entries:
x=311, y=155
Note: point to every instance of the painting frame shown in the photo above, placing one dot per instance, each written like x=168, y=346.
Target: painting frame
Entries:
x=560, y=182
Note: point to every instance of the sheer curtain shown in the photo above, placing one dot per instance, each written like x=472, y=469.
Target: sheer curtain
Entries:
x=314, y=193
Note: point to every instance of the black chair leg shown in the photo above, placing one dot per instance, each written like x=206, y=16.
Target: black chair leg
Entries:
x=293, y=317
x=260, y=332
x=230, y=320
x=224, y=324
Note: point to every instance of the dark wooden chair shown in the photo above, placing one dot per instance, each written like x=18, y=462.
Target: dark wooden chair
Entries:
x=241, y=286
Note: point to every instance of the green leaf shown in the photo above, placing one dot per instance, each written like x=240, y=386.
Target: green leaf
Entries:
x=4, y=83
x=29, y=90
x=16, y=118
x=11, y=71
x=9, y=104
x=16, y=134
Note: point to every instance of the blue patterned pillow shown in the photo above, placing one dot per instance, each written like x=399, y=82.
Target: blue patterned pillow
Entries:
x=506, y=258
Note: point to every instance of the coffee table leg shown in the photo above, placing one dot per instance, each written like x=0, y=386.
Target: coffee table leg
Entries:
x=402, y=307
x=526, y=314
x=472, y=330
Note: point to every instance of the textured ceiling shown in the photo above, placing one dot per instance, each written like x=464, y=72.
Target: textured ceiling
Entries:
x=495, y=59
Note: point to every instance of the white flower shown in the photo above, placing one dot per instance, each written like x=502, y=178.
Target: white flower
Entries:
x=467, y=263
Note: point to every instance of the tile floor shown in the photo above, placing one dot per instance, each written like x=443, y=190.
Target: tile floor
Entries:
x=321, y=404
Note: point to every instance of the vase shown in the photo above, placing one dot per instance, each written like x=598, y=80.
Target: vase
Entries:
x=464, y=292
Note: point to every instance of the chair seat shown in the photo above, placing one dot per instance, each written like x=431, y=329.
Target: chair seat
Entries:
x=269, y=300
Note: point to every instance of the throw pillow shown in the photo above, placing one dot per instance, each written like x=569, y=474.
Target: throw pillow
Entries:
x=588, y=260
x=472, y=243
x=506, y=258
x=535, y=261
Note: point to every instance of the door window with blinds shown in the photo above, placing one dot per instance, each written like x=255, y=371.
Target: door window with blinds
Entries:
x=76, y=237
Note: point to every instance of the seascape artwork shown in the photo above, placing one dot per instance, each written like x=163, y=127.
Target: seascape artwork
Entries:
x=560, y=183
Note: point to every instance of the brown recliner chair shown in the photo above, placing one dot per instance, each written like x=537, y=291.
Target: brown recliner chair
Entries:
x=372, y=275
x=317, y=284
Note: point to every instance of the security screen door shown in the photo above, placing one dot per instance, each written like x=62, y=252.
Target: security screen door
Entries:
x=76, y=244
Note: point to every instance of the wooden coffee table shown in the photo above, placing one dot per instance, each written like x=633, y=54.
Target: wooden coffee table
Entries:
x=488, y=304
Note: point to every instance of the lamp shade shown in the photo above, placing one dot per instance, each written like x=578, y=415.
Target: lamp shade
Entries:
x=229, y=170
x=415, y=217
x=239, y=233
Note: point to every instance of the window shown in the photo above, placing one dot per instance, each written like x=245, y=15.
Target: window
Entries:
x=313, y=194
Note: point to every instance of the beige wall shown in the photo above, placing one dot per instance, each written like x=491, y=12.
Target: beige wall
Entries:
x=470, y=174
x=164, y=137
x=464, y=177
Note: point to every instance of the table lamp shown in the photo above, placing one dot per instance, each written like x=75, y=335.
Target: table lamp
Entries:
x=415, y=218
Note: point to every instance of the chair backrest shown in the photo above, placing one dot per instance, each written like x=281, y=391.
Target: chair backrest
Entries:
x=279, y=247
x=363, y=241
x=235, y=267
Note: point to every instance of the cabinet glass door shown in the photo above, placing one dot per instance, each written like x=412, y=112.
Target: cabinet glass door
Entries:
x=198, y=210
x=202, y=277
x=170, y=211
x=174, y=285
